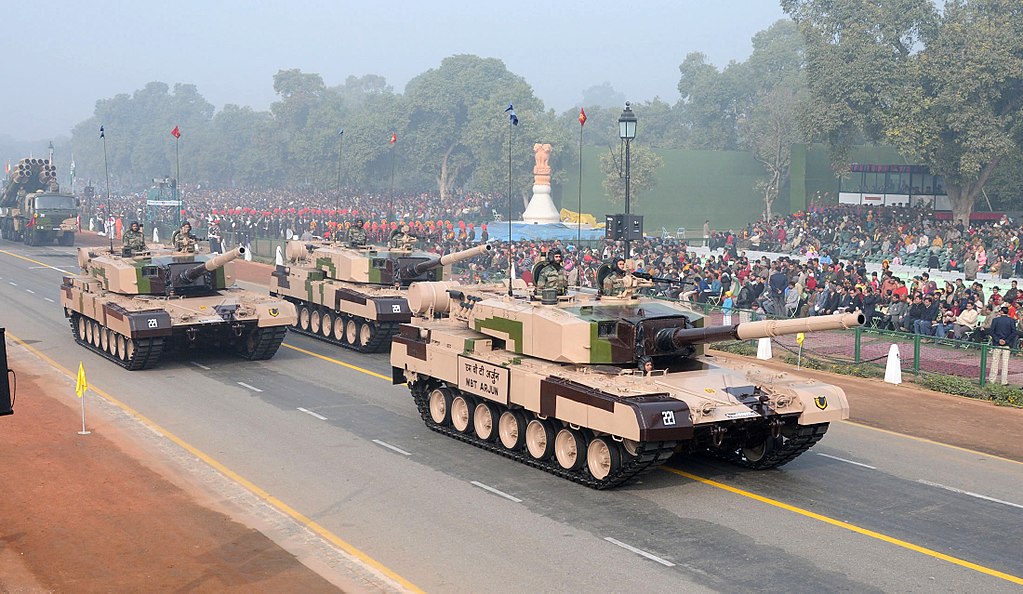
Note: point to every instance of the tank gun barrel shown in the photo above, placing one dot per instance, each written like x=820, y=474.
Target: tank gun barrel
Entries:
x=212, y=264
x=656, y=279
x=669, y=339
x=421, y=267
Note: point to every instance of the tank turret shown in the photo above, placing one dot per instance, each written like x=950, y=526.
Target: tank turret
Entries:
x=352, y=296
x=129, y=309
x=601, y=390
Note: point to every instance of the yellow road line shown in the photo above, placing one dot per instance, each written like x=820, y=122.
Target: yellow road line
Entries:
x=27, y=259
x=262, y=494
x=851, y=527
x=932, y=442
x=337, y=362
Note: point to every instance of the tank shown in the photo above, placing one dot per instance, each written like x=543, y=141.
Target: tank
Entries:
x=561, y=384
x=131, y=309
x=355, y=296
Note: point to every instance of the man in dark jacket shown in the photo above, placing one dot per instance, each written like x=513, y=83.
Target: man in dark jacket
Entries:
x=928, y=316
x=778, y=282
x=916, y=311
x=1003, y=336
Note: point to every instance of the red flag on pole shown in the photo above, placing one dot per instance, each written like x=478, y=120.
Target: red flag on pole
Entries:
x=582, y=117
x=175, y=132
x=394, y=137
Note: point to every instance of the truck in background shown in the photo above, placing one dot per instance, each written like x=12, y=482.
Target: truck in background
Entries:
x=32, y=207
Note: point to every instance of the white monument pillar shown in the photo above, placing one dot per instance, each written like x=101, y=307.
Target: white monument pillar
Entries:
x=541, y=207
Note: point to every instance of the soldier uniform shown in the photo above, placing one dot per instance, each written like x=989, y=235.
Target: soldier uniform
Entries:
x=183, y=240
x=357, y=235
x=134, y=240
x=614, y=283
x=401, y=237
x=553, y=275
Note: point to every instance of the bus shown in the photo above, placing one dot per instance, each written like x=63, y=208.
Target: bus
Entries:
x=873, y=184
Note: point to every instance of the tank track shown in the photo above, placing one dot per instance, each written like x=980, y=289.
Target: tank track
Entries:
x=380, y=342
x=650, y=455
x=146, y=355
x=789, y=448
x=270, y=340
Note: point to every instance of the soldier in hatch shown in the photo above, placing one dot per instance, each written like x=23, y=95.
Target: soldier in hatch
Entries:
x=183, y=240
x=134, y=239
x=553, y=274
x=357, y=235
x=614, y=283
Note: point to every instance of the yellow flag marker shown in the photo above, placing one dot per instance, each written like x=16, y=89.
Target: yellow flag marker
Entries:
x=799, y=338
x=80, y=384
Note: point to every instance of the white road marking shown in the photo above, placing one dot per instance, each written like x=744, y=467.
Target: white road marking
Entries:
x=640, y=552
x=201, y=366
x=962, y=492
x=391, y=447
x=50, y=300
x=847, y=461
x=253, y=388
x=497, y=492
x=309, y=412
x=12, y=283
x=30, y=291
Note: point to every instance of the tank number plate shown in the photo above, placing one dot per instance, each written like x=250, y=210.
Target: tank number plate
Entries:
x=483, y=379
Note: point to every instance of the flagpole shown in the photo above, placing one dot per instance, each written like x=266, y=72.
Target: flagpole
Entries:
x=579, y=213
x=106, y=170
x=177, y=182
x=511, y=246
x=390, y=203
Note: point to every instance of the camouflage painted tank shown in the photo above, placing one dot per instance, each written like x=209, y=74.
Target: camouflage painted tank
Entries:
x=132, y=308
x=562, y=385
x=352, y=296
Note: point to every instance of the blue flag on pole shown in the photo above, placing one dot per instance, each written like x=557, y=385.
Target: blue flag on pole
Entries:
x=511, y=115
x=102, y=134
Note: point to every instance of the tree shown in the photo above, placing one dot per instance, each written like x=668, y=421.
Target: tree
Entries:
x=603, y=95
x=945, y=87
x=642, y=171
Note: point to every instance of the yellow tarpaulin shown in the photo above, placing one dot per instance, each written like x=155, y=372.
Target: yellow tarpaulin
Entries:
x=568, y=216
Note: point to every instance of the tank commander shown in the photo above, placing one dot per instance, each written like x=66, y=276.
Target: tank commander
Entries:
x=553, y=274
x=183, y=240
x=614, y=283
x=357, y=235
x=402, y=237
x=134, y=239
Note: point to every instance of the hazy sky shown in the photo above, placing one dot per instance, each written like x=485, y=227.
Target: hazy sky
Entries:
x=60, y=56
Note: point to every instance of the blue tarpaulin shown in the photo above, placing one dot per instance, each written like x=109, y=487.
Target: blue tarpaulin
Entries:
x=520, y=230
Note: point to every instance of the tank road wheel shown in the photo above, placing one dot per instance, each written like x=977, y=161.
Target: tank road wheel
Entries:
x=569, y=446
x=631, y=447
x=314, y=321
x=440, y=406
x=366, y=332
x=339, y=327
x=128, y=350
x=462, y=408
x=83, y=327
x=511, y=428
x=326, y=324
x=115, y=344
x=87, y=334
x=351, y=331
x=96, y=331
x=104, y=338
x=303, y=317
x=603, y=458
x=755, y=453
x=540, y=439
x=483, y=421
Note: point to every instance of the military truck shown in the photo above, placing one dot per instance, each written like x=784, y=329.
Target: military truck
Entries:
x=352, y=296
x=131, y=308
x=599, y=389
x=32, y=207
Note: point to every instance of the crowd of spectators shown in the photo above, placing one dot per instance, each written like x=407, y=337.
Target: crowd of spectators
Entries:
x=819, y=265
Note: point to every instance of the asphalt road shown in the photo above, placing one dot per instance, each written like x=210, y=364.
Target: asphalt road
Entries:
x=317, y=431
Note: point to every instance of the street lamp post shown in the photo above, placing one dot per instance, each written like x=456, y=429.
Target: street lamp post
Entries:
x=627, y=131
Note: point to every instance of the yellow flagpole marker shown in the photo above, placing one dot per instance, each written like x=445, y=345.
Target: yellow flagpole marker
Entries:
x=81, y=385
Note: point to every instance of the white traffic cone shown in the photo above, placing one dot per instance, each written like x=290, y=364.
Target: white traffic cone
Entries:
x=893, y=369
x=248, y=252
x=764, y=349
x=279, y=257
x=156, y=235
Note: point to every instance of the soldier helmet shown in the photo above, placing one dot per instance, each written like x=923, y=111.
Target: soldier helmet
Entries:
x=553, y=252
x=359, y=222
x=136, y=224
x=618, y=260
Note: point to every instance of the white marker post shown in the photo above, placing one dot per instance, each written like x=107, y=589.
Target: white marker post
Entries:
x=81, y=385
